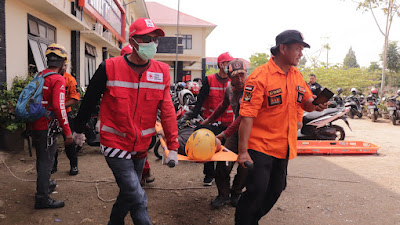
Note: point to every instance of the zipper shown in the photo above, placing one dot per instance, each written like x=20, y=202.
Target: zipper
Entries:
x=134, y=114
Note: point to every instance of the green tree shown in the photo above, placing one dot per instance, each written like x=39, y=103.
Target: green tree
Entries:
x=257, y=59
x=374, y=66
x=211, y=70
x=392, y=62
x=389, y=8
x=302, y=63
x=350, y=61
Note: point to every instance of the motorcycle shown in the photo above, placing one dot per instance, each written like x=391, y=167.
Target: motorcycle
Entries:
x=353, y=103
x=393, y=107
x=372, y=108
x=318, y=125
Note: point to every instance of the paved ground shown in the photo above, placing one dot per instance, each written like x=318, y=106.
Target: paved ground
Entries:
x=321, y=189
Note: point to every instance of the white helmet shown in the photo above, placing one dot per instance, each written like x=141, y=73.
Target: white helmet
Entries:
x=353, y=91
x=185, y=97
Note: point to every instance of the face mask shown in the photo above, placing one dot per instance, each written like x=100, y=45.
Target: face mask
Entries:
x=226, y=69
x=146, y=51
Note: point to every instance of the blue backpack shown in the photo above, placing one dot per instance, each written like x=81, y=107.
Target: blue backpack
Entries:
x=29, y=106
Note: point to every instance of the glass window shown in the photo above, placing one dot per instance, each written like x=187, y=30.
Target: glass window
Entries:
x=42, y=31
x=51, y=35
x=187, y=41
x=37, y=56
x=33, y=28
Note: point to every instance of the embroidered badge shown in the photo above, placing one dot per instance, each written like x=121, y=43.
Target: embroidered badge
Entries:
x=300, y=97
x=155, y=77
x=247, y=96
x=149, y=23
x=301, y=89
x=249, y=88
x=275, y=100
x=275, y=91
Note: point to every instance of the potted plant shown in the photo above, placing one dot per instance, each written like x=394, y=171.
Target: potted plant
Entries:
x=11, y=128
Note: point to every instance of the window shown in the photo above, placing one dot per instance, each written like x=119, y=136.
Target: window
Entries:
x=187, y=41
x=40, y=35
x=90, y=62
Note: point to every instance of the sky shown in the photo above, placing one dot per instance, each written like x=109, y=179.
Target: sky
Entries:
x=250, y=26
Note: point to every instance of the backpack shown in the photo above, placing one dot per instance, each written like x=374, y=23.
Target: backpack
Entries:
x=29, y=106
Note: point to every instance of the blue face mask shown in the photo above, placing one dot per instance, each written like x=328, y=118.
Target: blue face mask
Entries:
x=146, y=51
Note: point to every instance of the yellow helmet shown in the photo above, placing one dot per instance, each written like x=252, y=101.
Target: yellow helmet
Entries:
x=57, y=49
x=201, y=145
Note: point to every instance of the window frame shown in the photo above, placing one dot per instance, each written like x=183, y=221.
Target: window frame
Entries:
x=186, y=38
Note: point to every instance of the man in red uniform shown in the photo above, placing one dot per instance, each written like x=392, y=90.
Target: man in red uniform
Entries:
x=44, y=129
x=211, y=95
x=134, y=87
x=270, y=105
x=71, y=98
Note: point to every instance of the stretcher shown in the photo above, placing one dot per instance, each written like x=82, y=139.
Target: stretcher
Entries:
x=309, y=147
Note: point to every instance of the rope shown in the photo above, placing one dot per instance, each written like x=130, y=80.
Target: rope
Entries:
x=316, y=178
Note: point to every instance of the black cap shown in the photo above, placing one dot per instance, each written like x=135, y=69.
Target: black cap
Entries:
x=288, y=37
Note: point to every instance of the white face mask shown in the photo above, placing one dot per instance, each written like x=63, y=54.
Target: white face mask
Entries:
x=146, y=51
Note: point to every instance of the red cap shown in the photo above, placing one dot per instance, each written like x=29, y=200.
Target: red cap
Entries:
x=144, y=26
x=225, y=57
x=126, y=50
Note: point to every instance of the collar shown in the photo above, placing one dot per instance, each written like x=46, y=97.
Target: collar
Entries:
x=275, y=68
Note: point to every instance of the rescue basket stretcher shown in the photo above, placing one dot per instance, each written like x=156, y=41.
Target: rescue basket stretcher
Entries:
x=309, y=147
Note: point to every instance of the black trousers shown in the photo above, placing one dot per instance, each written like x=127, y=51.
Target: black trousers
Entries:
x=265, y=183
x=70, y=150
x=223, y=171
x=44, y=162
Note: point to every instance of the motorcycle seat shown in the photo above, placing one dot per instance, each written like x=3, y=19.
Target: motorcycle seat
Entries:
x=315, y=115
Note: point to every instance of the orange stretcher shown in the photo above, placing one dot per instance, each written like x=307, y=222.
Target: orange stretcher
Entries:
x=310, y=147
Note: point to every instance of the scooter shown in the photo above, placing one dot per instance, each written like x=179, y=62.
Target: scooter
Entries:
x=318, y=125
x=393, y=107
x=372, y=108
x=353, y=103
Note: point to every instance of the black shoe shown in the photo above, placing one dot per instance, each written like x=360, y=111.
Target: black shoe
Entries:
x=73, y=171
x=219, y=201
x=150, y=179
x=48, y=204
x=208, y=181
x=52, y=186
x=235, y=200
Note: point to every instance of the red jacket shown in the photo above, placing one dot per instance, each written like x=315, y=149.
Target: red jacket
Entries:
x=215, y=97
x=53, y=94
x=128, y=109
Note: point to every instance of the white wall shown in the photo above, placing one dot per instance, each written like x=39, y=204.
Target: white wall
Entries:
x=17, y=37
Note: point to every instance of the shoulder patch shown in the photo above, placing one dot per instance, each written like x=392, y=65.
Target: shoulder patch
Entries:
x=249, y=88
x=247, y=95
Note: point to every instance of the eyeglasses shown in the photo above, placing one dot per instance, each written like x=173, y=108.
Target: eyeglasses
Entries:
x=146, y=38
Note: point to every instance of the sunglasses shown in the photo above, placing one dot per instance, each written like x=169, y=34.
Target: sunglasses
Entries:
x=146, y=38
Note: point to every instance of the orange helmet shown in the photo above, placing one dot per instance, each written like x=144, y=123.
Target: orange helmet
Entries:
x=58, y=50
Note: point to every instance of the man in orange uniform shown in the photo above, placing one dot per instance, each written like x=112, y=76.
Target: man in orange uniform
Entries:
x=268, y=129
x=71, y=98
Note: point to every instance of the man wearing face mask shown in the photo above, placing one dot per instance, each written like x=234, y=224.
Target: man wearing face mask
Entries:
x=211, y=95
x=134, y=86
x=44, y=129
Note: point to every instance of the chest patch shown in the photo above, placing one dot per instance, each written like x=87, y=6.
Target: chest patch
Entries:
x=155, y=77
x=275, y=100
x=301, y=89
x=247, y=96
x=275, y=92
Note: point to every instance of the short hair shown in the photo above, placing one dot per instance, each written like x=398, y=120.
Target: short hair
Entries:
x=54, y=60
x=313, y=75
x=197, y=79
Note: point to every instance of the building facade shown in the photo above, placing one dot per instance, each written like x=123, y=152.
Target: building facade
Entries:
x=90, y=30
x=191, y=42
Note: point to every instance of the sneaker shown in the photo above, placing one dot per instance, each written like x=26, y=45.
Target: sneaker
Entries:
x=52, y=186
x=235, y=200
x=219, y=202
x=208, y=181
x=73, y=171
x=48, y=203
x=150, y=179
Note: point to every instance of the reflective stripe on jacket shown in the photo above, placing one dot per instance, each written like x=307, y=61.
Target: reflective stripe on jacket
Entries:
x=128, y=109
x=215, y=97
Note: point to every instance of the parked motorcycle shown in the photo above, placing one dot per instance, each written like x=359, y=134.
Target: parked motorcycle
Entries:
x=393, y=107
x=353, y=103
x=372, y=107
x=337, y=100
x=318, y=125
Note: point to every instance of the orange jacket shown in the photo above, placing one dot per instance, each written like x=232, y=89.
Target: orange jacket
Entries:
x=273, y=99
x=71, y=91
x=128, y=109
x=215, y=97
